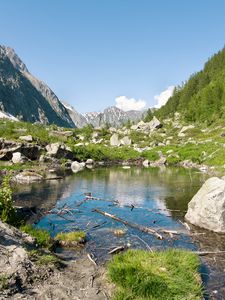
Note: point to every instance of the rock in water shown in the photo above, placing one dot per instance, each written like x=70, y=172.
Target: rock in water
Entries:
x=76, y=166
x=207, y=207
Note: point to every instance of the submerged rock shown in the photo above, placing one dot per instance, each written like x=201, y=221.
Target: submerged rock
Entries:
x=207, y=207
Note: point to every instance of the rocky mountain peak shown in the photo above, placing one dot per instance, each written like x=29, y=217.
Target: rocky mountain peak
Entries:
x=14, y=58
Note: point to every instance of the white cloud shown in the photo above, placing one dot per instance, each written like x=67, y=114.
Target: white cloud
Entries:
x=164, y=96
x=126, y=104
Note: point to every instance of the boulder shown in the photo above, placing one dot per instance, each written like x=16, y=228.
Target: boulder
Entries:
x=114, y=140
x=126, y=141
x=27, y=177
x=63, y=134
x=146, y=163
x=185, y=128
x=59, y=150
x=207, y=207
x=26, y=138
x=18, y=158
x=7, y=153
x=154, y=124
x=148, y=126
x=31, y=151
x=89, y=161
x=76, y=166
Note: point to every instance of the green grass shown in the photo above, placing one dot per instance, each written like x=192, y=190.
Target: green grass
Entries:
x=41, y=258
x=100, y=152
x=170, y=275
x=42, y=237
x=3, y=282
x=74, y=236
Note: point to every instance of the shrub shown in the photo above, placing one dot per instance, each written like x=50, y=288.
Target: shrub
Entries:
x=7, y=211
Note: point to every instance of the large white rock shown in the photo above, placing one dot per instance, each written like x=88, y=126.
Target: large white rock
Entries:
x=27, y=138
x=76, y=166
x=154, y=124
x=184, y=129
x=17, y=158
x=207, y=207
x=126, y=141
x=146, y=163
x=114, y=140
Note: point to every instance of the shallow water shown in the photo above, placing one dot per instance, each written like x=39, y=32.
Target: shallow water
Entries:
x=154, y=193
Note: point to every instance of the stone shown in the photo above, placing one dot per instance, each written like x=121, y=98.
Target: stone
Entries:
x=207, y=208
x=18, y=158
x=65, y=134
x=31, y=151
x=59, y=150
x=26, y=138
x=148, y=126
x=146, y=163
x=114, y=140
x=7, y=153
x=27, y=177
x=126, y=141
x=184, y=129
x=89, y=161
x=76, y=166
x=155, y=124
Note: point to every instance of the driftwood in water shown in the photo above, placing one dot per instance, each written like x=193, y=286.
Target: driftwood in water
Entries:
x=117, y=250
x=91, y=259
x=202, y=253
x=133, y=225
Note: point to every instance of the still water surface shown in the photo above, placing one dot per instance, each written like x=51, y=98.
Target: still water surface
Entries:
x=153, y=192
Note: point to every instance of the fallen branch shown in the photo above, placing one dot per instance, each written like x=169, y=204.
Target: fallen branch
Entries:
x=117, y=250
x=91, y=259
x=132, y=225
x=202, y=253
x=146, y=244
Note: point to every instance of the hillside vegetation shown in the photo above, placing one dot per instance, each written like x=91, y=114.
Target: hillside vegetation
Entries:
x=202, y=98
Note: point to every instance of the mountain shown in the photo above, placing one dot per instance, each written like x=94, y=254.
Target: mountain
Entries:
x=78, y=119
x=112, y=116
x=202, y=97
x=25, y=97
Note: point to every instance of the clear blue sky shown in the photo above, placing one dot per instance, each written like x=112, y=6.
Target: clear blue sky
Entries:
x=91, y=51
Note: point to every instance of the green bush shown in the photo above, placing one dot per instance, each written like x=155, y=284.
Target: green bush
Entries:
x=7, y=211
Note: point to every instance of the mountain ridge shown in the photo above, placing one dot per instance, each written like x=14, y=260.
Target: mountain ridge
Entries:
x=26, y=97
